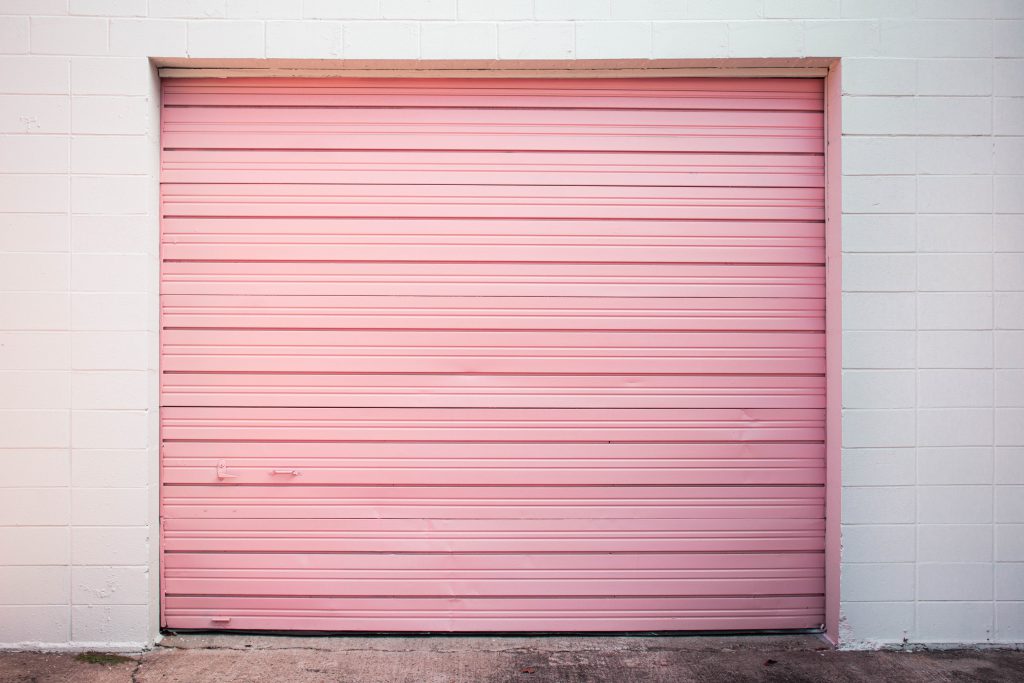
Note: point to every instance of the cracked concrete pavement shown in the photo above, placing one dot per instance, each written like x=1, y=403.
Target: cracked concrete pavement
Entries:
x=487, y=659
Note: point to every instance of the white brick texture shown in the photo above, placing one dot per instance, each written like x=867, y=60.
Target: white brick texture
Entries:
x=933, y=276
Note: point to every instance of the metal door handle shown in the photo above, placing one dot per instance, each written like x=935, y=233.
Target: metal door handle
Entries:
x=294, y=473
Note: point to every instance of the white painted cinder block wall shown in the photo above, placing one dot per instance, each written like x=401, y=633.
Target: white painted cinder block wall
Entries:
x=933, y=238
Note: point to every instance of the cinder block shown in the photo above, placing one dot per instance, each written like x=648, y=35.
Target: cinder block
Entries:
x=1009, y=388
x=955, y=388
x=33, y=154
x=954, y=622
x=32, y=507
x=45, y=585
x=112, y=76
x=878, y=467
x=109, y=506
x=879, y=543
x=889, y=581
x=458, y=40
x=1010, y=510
x=613, y=39
x=954, y=504
x=879, y=194
x=879, y=156
x=954, y=272
x=37, y=8
x=110, y=390
x=879, y=233
x=106, y=546
x=111, y=154
x=648, y=10
x=1010, y=581
x=955, y=542
x=419, y=9
x=34, y=545
x=149, y=37
x=873, y=623
x=878, y=273
x=35, y=113
x=1009, y=272
x=840, y=38
x=878, y=349
x=113, y=234
x=953, y=115
x=1007, y=37
x=1009, y=349
x=34, y=272
x=385, y=40
x=878, y=311
x=876, y=9
x=878, y=115
x=36, y=468
x=867, y=76
x=1008, y=115
x=35, y=389
x=229, y=38
x=1009, y=194
x=725, y=9
x=109, y=8
x=954, y=76
x=1008, y=155
x=956, y=581
x=1009, y=77
x=1009, y=232
x=1010, y=427
x=1010, y=537
x=25, y=232
x=878, y=428
x=109, y=429
x=34, y=624
x=953, y=466
x=878, y=505
x=263, y=9
x=35, y=350
x=763, y=38
x=954, y=311
x=205, y=9
x=1010, y=465
x=110, y=115
x=111, y=350
x=954, y=427
x=955, y=233
x=1009, y=622
x=801, y=9
x=14, y=35
x=937, y=38
x=304, y=39
x=879, y=389
x=36, y=193
x=69, y=35
x=111, y=468
x=954, y=155
x=678, y=39
x=34, y=75
x=32, y=311
x=350, y=9
x=572, y=10
x=110, y=624
x=111, y=194
x=110, y=585
x=112, y=272
x=550, y=40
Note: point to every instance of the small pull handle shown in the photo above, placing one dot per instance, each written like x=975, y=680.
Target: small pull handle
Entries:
x=293, y=473
x=222, y=471
x=220, y=620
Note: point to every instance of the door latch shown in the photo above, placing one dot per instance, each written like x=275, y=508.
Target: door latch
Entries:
x=222, y=470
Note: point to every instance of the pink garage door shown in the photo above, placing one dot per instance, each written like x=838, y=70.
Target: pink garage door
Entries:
x=493, y=355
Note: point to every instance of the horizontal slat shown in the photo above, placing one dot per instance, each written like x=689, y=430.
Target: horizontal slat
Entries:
x=490, y=168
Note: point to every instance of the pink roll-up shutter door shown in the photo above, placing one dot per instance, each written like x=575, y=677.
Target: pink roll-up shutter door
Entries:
x=493, y=355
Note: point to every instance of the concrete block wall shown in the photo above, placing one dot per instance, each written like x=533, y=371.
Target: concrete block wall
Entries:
x=933, y=239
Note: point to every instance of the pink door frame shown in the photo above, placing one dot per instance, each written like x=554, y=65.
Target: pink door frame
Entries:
x=833, y=349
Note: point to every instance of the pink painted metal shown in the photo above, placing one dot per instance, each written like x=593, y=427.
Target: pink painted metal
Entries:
x=457, y=355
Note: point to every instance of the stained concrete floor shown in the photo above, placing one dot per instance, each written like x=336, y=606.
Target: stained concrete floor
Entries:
x=618, y=659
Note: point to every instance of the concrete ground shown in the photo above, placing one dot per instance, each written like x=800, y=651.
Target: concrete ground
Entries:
x=485, y=659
